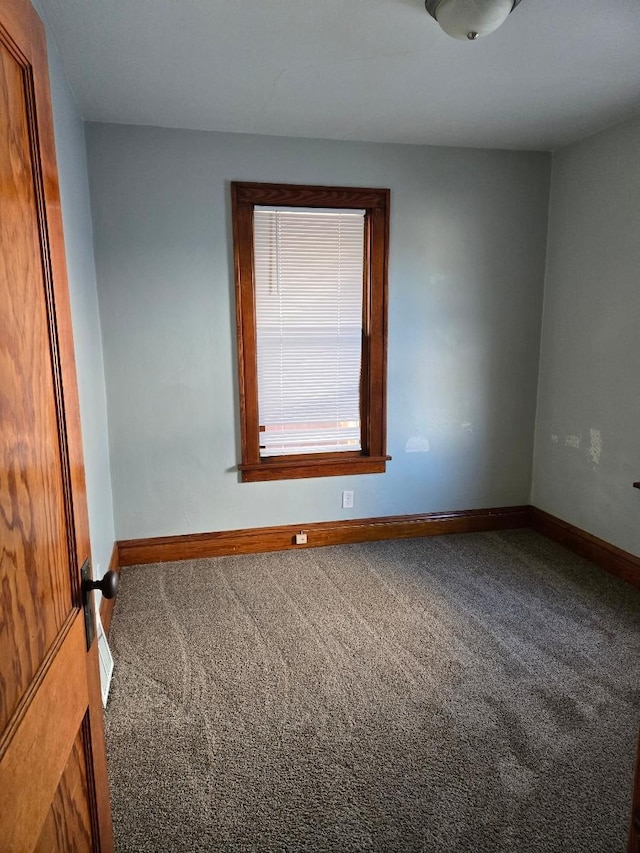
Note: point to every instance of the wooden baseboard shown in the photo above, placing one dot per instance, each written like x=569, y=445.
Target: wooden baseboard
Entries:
x=107, y=604
x=133, y=552
x=614, y=560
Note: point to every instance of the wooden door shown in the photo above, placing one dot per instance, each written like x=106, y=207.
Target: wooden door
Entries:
x=53, y=783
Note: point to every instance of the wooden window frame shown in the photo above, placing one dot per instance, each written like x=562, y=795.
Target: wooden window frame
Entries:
x=372, y=458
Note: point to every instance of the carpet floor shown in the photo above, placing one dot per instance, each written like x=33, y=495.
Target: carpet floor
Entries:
x=476, y=692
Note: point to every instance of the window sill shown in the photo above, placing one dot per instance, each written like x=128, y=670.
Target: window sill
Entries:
x=277, y=468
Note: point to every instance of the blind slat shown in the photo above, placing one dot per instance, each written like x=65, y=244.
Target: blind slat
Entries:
x=308, y=296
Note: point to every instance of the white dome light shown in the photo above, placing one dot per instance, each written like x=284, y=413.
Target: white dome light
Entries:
x=470, y=19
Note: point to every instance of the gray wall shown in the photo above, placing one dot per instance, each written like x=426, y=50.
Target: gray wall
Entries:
x=468, y=236
x=587, y=451
x=76, y=215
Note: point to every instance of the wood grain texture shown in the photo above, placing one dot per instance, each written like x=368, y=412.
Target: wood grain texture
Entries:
x=41, y=742
x=614, y=560
x=107, y=604
x=93, y=725
x=278, y=468
x=262, y=539
x=375, y=338
x=34, y=564
x=70, y=429
x=309, y=195
x=242, y=216
x=67, y=827
x=376, y=203
x=42, y=474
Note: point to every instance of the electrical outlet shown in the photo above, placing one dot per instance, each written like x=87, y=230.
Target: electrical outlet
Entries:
x=301, y=538
x=347, y=500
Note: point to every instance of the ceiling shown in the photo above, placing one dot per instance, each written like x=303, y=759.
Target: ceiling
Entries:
x=375, y=70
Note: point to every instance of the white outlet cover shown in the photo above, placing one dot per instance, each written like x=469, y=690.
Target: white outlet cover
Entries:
x=347, y=500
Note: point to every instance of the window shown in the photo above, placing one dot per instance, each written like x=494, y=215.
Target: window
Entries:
x=311, y=293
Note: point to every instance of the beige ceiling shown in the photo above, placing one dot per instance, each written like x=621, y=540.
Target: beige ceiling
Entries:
x=378, y=70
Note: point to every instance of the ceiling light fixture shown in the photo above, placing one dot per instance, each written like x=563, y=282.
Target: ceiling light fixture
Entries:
x=470, y=19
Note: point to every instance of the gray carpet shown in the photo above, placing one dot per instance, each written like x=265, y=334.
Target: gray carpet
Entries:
x=456, y=693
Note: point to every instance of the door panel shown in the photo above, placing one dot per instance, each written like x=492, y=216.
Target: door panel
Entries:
x=53, y=783
x=34, y=564
x=41, y=743
x=68, y=823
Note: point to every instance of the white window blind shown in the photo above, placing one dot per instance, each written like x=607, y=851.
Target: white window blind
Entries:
x=308, y=297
